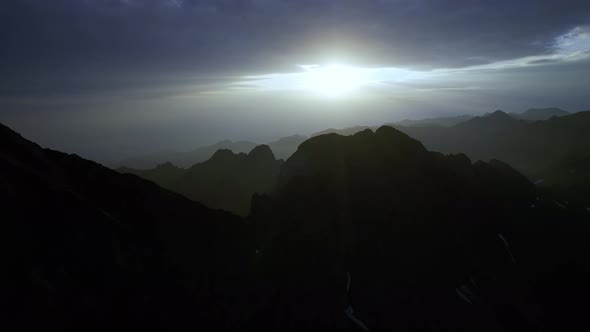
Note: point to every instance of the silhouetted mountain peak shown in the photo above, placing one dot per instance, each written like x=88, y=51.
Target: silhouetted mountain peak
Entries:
x=261, y=153
x=439, y=122
x=222, y=155
x=491, y=121
x=292, y=138
x=343, y=132
x=385, y=136
x=537, y=114
x=398, y=141
x=167, y=166
x=11, y=140
x=499, y=114
x=364, y=132
x=336, y=154
x=392, y=133
x=228, y=181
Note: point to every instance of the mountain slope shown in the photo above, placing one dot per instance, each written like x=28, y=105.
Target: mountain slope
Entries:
x=284, y=147
x=185, y=159
x=163, y=175
x=228, y=181
x=536, y=149
x=538, y=114
x=364, y=232
x=343, y=132
x=395, y=237
x=96, y=250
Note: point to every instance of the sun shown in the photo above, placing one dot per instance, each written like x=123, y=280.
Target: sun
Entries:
x=334, y=80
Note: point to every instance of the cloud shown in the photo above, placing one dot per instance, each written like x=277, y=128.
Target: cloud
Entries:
x=114, y=44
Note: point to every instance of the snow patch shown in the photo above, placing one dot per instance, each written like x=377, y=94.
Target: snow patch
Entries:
x=465, y=293
x=349, y=310
x=559, y=204
x=507, y=246
x=350, y=314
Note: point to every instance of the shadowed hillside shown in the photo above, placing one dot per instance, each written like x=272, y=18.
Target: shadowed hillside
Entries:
x=551, y=152
x=185, y=159
x=228, y=181
x=402, y=239
x=538, y=114
x=364, y=232
x=541, y=150
x=95, y=250
x=284, y=147
x=163, y=175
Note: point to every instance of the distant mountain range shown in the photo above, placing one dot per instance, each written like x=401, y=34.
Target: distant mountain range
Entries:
x=539, y=114
x=530, y=115
x=164, y=174
x=553, y=152
x=226, y=181
x=185, y=159
x=540, y=149
x=368, y=232
x=284, y=147
x=444, y=121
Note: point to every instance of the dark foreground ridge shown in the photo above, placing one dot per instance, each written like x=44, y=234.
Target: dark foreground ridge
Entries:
x=95, y=250
x=365, y=232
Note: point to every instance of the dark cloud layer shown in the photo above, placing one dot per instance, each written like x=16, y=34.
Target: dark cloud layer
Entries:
x=91, y=45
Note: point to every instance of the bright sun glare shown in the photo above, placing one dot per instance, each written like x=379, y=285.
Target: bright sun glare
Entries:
x=333, y=80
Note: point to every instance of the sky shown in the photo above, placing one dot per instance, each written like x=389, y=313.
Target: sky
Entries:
x=109, y=79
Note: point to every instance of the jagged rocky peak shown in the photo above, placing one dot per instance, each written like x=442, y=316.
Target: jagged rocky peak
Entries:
x=491, y=121
x=396, y=137
x=498, y=116
x=222, y=154
x=384, y=134
x=365, y=151
x=261, y=152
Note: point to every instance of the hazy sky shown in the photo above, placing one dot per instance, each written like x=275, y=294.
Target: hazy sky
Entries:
x=112, y=78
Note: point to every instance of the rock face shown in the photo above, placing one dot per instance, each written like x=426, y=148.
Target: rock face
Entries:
x=407, y=239
x=95, y=250
x=228, y=181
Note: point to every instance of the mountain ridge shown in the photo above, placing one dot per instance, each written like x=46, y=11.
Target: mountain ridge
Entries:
x=378, y=210
x=98, y=249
